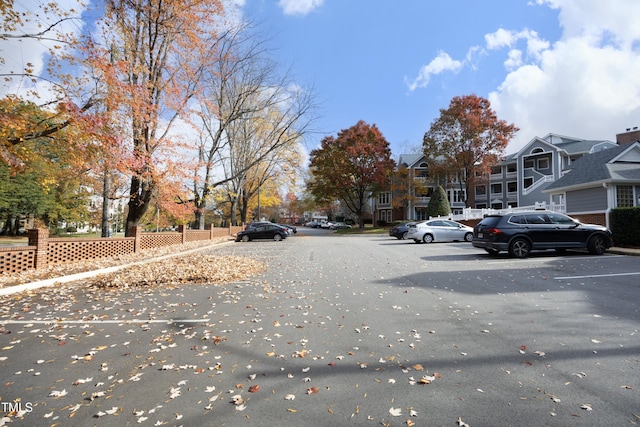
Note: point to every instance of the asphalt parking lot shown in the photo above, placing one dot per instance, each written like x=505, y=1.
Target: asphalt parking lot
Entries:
x=340, y=330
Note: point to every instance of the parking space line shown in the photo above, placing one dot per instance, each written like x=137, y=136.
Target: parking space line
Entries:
x=597, y=275
x=105, y=321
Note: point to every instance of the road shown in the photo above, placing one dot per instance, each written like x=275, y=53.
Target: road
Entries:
x=340, y=330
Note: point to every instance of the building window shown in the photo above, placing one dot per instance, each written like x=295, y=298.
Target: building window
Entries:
x=384, y=198
x=512, y=186
x=543, y=163
x=512, y=167
x=528, y=182
x=624, y=196
x=385, y=216
x=496, y=188
x=496, y=170
x=529, y=164
x=481, y=190
x=456, y=196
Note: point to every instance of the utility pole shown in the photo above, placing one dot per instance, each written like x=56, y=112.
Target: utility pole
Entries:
x=106, y=187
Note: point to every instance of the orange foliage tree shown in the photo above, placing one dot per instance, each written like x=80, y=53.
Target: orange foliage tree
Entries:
x=351, y=167
x=150, y=56
x=467, y=139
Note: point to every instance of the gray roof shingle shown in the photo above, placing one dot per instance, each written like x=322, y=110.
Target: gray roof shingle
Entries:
x=596, y=167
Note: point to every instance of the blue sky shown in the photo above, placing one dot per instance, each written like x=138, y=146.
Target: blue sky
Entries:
x=570, y=67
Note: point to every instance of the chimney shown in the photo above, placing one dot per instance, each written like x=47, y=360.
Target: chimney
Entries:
x=631, y=135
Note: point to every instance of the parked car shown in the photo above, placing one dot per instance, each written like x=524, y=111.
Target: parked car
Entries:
x=312, y=224
x=292, y=228
x=326, y=224
x=439, y=230
x=400, y=231
x=254, y=224
x=262, y=231
x=339, y=225
x=519, y=233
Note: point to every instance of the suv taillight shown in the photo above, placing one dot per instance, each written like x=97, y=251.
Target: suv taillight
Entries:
x=492, y=230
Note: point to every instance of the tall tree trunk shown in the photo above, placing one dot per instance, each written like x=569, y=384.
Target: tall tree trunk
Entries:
x=234, y=207
x=244, y=208
x=139, y=201
x=199, y=214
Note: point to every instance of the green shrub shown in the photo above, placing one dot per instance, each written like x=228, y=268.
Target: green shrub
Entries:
x=438, y=203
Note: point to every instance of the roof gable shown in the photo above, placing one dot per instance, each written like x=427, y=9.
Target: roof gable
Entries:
x=410, y=160
x=621, y=163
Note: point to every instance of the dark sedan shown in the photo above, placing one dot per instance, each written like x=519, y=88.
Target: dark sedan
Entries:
x=400, y=231
x=261, y=232
x=519, y=233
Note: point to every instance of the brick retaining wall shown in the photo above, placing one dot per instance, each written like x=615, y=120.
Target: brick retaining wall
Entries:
x=43, y=250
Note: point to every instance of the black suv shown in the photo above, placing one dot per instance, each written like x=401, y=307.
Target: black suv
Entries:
x=521, y=232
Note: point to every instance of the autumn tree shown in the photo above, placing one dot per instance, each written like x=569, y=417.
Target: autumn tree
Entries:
x=406, y=187
x=48, y=185
x=53, y=29
x=467, y=139
x=151, y=56
x=351, y=167
x=249, y=115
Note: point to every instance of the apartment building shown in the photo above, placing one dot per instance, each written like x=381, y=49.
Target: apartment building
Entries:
x=531, y=175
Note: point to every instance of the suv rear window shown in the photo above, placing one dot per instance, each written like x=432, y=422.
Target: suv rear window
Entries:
x=490, y=221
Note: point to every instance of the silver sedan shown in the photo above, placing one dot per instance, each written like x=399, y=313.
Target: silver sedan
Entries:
x=439, y=230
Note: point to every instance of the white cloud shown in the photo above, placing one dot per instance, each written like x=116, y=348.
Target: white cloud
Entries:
x=299, y=7
x=500, y=38
x=584, y=85
x=442, y=62
x=514, y=60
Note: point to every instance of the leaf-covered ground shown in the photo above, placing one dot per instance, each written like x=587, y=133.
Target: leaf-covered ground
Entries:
x=195, y=267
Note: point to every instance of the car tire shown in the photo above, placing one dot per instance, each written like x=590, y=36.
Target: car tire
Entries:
x=404, y=235
x=277, y=237
x=520, y=248
x=492, y=252
x=427, y=238
x=245, y=238
x=597, y=245
x=468, y=237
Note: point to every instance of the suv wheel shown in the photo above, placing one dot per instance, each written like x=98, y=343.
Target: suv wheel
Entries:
x=520, y=248
x=597, y=245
